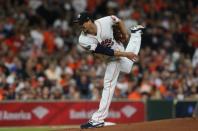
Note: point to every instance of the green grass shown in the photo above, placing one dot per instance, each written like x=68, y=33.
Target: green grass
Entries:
x=27, y=129
x=42, y=128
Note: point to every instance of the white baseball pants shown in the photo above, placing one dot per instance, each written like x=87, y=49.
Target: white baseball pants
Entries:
x=111, y=75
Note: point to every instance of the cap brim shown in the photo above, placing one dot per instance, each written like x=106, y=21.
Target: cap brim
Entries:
x=76, y=21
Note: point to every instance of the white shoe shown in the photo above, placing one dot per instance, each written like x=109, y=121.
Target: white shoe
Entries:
x=136, y=28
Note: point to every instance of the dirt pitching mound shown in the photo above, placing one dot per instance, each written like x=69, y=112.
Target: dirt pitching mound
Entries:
x=186, y=124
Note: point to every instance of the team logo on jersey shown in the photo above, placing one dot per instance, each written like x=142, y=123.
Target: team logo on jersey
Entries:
x=107, y=43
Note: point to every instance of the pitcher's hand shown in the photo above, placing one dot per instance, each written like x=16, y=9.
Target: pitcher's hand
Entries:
x=132, y=56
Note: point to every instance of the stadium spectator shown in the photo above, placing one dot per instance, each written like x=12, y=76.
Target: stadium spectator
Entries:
x=40, y=58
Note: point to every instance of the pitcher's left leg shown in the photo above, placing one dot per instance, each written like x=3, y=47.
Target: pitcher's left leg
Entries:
x=110, y=80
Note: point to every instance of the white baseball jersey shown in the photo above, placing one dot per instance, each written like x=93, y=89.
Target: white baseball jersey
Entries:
x=105, y=37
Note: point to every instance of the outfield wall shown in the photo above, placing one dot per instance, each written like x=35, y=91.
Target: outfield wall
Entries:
x=77, y=112
x=66, y=113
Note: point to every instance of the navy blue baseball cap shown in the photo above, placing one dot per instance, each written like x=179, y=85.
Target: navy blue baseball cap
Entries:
x=82, y=18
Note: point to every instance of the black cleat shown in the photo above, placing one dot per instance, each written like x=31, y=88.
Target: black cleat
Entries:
x=91, y=124
x=136, y=28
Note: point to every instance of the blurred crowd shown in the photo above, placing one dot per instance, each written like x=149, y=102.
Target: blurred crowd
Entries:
x=40, y=58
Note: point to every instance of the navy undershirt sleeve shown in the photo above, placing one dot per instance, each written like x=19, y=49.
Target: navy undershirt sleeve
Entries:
x=104, y=50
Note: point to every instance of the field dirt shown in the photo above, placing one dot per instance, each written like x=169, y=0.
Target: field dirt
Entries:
x=181, y=124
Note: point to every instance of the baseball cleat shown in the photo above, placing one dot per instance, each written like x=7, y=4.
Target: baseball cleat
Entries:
x=91, y=124
x=136, y=28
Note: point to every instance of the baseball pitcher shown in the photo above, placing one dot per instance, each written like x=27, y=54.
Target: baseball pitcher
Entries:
x=105, y=36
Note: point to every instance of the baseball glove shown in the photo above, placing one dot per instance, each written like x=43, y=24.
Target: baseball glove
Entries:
x=117, y=34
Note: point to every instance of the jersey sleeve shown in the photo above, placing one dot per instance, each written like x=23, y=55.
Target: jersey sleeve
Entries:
x=86, y=43
x=114, y=19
